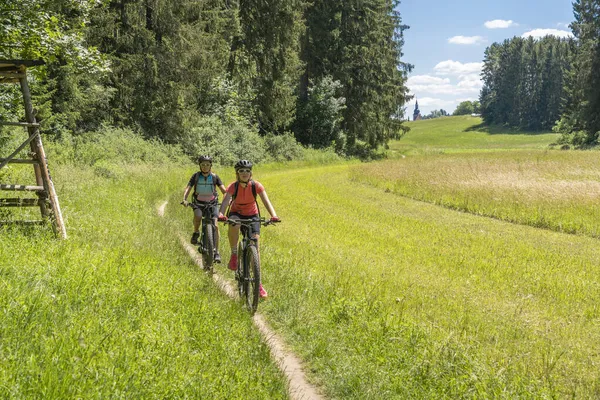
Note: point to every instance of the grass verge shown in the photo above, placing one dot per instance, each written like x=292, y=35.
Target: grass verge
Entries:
x=390, y=298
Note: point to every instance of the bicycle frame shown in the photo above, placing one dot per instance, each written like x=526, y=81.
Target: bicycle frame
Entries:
x=247, y=231
x=207, y=216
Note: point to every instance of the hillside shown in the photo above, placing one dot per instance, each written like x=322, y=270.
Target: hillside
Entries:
x=464, y=134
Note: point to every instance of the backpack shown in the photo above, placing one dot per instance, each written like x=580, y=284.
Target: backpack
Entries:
x=214, y=178
x=237, y=187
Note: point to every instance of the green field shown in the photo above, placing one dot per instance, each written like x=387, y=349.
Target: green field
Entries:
x=512, y=177
x=119, y=310
x=465, y=134
x=391, y=280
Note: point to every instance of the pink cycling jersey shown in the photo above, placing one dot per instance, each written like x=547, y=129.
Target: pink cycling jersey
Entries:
x=244, y=203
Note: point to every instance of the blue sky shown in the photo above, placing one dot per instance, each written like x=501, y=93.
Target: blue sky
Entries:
x=447, y=39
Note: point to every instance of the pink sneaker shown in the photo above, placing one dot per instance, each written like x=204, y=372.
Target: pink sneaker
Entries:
x=262, y=292
x=233, y=262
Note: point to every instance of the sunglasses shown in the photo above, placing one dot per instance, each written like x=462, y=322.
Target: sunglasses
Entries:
x=244, y=171
x=205, y=164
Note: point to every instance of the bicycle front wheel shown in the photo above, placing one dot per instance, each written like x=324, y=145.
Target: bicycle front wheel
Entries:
x=209, y=247
x=239, y=272
x=252, y=278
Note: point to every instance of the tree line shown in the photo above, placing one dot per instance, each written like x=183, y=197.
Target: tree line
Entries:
x=550, y=83
x=467, y=107
x=436, y=114
x=524, y=82
x=328, y=73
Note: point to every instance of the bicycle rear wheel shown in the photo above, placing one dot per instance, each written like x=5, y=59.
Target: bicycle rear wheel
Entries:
x=208, y=242
x=252, y=278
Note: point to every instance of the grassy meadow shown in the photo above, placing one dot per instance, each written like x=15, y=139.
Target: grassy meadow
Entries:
x=380, y=291
x=524, y=182
x=464, y=134
x=119, y=310
x=386, y=297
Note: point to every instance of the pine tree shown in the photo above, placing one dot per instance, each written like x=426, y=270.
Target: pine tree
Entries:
x=359, y=44
x=166, y=57
x=526, y=116
x=488, y=97
x=523, y=82
x=580, y=122
x=270, y=36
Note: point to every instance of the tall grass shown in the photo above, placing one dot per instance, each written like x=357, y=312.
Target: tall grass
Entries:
x=539, y=187
x=390, y=298
x=119, y=310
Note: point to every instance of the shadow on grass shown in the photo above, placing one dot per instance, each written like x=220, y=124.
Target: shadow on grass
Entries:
x=19, y=229
x=502, y=130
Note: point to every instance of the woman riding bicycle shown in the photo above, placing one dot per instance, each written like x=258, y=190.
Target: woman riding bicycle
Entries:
x=242, y=195
x=205, y=184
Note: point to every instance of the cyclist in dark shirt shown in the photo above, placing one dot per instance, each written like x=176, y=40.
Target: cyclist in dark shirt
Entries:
x=204, y=184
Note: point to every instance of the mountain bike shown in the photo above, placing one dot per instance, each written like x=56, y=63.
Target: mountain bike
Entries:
x=208, y=231
x=247, y=273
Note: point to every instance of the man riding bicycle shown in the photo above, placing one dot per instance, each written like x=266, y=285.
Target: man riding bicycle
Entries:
x=205, y=184
x=242, y=195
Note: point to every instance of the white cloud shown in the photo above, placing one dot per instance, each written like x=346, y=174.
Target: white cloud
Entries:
x=427, y=80
x=458, y=89
x=456, y=68
x=468, y=84
x=499, y=24
x=538, y=33
x=472, y=81
x=471, y=98
x=433, y=102
x=429, y=84
x=466, y=40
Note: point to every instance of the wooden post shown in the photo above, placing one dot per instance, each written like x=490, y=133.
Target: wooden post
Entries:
x=42, y=175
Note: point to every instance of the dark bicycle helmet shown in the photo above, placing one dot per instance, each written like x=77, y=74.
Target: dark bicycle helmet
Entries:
x=204, y=158
x=243, y=164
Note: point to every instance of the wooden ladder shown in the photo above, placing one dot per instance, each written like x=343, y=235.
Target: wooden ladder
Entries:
x=15, y=71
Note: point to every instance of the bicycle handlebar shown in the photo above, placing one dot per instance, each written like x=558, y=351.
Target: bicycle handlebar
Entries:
x=197, y=205
x=263, y=221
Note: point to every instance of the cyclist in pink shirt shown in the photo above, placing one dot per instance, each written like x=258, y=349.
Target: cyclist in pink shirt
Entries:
x=242, y=195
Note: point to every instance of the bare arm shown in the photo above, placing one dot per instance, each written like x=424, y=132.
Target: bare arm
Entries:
x=223, y=189
x=186, y=193
x=225, y=203
x=267, y=203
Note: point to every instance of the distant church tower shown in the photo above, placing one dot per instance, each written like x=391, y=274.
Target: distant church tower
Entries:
x=417, y=113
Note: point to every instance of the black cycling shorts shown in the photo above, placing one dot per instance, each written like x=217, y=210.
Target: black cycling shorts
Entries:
x=255, y=225
x=198, y=210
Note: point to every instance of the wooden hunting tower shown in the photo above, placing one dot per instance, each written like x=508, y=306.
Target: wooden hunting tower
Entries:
x=13, y=72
